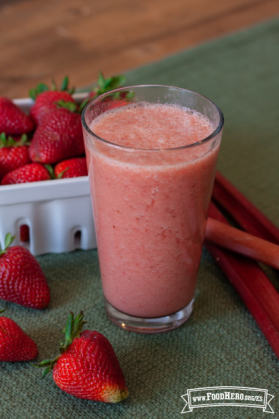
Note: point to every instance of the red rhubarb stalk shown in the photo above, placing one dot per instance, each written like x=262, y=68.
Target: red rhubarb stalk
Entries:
x=249, y=217
x=252, y=285
x=241, y=242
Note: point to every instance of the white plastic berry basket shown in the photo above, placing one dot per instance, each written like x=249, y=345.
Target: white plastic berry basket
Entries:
x=57, y=212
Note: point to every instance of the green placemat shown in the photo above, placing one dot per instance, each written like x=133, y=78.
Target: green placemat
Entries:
x=221, y=344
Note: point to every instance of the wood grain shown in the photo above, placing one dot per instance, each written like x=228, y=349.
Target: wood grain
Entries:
x=42, y=39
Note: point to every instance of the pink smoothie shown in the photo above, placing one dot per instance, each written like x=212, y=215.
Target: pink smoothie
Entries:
x=150, y=206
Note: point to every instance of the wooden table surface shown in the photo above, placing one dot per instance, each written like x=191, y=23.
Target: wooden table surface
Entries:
x=44, y=39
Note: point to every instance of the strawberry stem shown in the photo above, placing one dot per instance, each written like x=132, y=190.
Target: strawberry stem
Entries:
x=72, y=331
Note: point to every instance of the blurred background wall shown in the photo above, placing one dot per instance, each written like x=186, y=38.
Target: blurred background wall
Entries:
x=44, y=39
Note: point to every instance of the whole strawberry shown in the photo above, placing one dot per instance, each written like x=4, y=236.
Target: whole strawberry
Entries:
x=58, y=137
x=15, y=344
x=13, y=154
x=22, y=280
x=104, y=85
x=87, y=366
x=45, y=99
x=32, y=172
x=71, y=168
x=13, y=121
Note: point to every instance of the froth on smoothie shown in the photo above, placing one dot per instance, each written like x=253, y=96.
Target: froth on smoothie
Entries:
x=152, y=126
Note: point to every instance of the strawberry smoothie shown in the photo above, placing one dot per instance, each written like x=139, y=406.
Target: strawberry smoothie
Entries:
x=151, y=191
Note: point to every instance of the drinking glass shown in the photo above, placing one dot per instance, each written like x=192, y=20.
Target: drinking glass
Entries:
x=150, y=209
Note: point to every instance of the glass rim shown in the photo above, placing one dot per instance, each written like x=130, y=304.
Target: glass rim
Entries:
x=123, y=147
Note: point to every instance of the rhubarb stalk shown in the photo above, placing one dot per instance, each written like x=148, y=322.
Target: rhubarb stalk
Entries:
x=250, y=218
x=241, y=242
x=252, y=285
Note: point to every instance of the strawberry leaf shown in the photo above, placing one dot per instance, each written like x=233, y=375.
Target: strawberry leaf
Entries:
x=42, y=87
x=107, y=82
x=64, y=85
x=43, y=363
x=49, y=363
x=71, y=91
x=83, y=104
x=69, y=329
x=101, y=80
x=3, y=140
x=71, y=106
x=105, y=85
x=10, y=142
x=130, y=95
x=62, y=173
x=116, y=82
x=46, y=371
x=50, y=170
x=33, y=93
x=8, y=240
x=23, y=141
x=72, y=330
x=3, y=136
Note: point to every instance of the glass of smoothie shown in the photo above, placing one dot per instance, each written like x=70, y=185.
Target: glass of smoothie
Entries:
x=151, y=154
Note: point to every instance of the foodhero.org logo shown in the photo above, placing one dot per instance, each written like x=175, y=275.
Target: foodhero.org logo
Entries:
x=227, y=396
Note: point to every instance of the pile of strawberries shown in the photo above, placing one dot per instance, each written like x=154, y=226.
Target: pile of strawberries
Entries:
x=48, y=143
x=87, y=366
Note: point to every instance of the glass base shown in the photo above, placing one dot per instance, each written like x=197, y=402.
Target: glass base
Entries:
x=149, y=325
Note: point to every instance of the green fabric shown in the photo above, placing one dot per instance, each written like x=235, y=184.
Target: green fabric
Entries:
x=220, y=344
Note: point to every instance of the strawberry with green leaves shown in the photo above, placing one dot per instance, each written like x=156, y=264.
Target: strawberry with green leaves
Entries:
x=15, y=344
x=87, y=366
x=32, y=172
x=13, y=121
x=71, y=168
x=58, y=136
x=13, y=154
x=22, y=280
x=106, y=85
x=45, y=98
